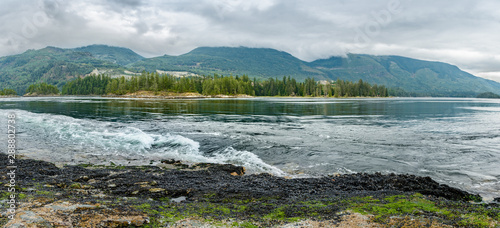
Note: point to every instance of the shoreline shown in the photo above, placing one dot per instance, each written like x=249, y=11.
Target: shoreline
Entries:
x=199, y=96
x=175, y=194
x=188, y=95
x=170, y=95
x=206, y=97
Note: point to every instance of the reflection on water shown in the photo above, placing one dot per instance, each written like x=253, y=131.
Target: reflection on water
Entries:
x=112, y=107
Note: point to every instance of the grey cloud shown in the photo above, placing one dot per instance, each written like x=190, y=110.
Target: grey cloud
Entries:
x=141, y=27
x=130, y=3
x=464, y=33
x=122, y=5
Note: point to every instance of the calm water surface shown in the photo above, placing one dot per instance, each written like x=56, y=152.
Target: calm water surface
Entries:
x=455, y=141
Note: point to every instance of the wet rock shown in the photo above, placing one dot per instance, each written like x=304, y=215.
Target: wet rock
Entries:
x=178, y=199
x=205, y=178
x=82, y=179
x=142, y=184
x=99, y=195
x=156, y=190
x=228, y=168
x=171, y=161
x=175, y=163
x=76, y=186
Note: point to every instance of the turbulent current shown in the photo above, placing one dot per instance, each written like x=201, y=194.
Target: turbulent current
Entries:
x=455, y=141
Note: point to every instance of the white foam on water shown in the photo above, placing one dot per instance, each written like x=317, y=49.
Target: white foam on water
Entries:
x=246, y=159
x=98, y=138
x=90, y=135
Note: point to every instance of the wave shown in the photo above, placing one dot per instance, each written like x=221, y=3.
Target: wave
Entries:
x=99, y=138
x=246, y=159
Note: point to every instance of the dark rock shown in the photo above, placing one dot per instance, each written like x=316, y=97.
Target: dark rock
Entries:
x=210, y=178
x=171, y=161
x=176, y=163
x=229, y=168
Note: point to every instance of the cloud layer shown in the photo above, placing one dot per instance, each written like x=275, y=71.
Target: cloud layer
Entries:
x=463, y=33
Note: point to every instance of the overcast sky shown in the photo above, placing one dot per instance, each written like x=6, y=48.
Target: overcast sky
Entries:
x=463, y=33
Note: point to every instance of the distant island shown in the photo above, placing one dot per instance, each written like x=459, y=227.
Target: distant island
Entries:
x=41, y=89
x=7, y=92
x=152, y=84
x=488, y=95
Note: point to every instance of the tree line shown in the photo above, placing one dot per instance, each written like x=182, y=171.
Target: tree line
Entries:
x=488, y=95
x=42, y=89
x=221, y=85
x=7, y=92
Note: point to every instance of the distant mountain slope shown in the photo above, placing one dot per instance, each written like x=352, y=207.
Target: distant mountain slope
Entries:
x=425, y=77
x=52, y=65
x=256, y=62
x=56, y=66
x=118, y=55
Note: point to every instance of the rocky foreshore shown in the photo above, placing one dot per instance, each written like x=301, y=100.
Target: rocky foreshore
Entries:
x=173, y=194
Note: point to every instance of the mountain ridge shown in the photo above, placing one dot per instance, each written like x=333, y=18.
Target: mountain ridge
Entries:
x=118, y=55
x=57, y=65
x=50, y=64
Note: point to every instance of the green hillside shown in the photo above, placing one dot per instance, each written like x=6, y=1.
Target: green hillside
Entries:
x=256, y=62
x=56, y=66
x=424, y=77
x=417, y=76
x=118, y=55
x=51, y=65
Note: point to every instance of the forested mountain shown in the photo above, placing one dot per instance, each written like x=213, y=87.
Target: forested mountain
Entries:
x=52, y=65
x=56, y=66
x=422, y=77
x=255, y=62
x=417, y=76
x=118, y=55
